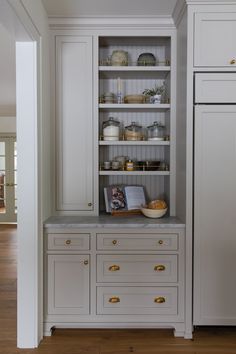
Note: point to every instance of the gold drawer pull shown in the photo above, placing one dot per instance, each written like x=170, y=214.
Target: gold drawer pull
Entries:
x=233, y=61
x=114, y=299
x=159, y=300
x=114, y=268
x=114, y=242
x=68, y=242
x=159, y=268
x=160, y=242
x=86, y=262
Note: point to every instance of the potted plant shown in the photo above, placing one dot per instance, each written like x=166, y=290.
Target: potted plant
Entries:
x=155, y=94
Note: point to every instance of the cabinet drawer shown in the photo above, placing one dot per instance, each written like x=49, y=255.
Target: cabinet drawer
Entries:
x=215, y=88
x=69, y=242
x=136, y=268
x=137, y=300
x=129, y=241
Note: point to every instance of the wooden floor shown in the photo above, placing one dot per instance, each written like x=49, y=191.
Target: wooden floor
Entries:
x=206, y=340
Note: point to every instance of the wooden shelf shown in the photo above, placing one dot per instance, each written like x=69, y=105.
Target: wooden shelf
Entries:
x=130, y=106
x=134, y=173
x=134, y=68
x=134, y=143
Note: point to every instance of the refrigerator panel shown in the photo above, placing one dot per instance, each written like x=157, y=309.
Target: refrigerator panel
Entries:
x=215, y=215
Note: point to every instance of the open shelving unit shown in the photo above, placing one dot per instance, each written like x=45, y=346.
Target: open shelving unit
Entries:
x=135, y=79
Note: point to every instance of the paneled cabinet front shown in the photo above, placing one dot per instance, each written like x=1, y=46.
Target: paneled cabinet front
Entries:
x=74, y=124
x=214, y=42
x=68, y=284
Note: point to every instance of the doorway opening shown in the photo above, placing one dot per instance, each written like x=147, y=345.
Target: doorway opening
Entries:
x=8, y=178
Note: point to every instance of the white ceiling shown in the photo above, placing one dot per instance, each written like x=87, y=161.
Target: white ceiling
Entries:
x=87, y=8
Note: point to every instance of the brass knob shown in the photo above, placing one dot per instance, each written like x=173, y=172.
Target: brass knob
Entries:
x=159, y=300
x=114, y=242
x=233, y=61
x=114, y=268
x=114, y=299
x=90, y=204
x=159, y=268
x=86, y=262
x=68, y=242
x=160, y=242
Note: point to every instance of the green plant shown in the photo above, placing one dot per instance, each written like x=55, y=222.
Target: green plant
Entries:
x=157, y=90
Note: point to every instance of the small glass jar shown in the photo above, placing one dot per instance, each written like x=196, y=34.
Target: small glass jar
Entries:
x=111, y=129
x=133, y=132
x=129, y=165
x=155, y=131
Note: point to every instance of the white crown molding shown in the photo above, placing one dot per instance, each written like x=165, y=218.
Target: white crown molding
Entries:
x=182, y=4
x=111, y=22
x=210, y=2
x=179, y=11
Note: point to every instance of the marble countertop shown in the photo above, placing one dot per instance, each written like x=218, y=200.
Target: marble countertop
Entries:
x=108, y=221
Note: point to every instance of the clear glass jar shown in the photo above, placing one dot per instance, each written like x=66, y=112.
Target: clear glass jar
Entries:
x=133, y=132
x=155, y=131
x=111, y=129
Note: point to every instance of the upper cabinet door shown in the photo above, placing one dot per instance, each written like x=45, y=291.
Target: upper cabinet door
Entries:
x=74, y=123
x=214, y=43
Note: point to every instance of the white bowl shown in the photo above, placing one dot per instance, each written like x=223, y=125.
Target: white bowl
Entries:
x=153, y=213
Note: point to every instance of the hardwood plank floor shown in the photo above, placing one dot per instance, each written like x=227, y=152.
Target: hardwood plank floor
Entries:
x=207, y=340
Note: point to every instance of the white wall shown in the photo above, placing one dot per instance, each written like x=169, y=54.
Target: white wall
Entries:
x=7, y=124
x=28, y=20
x=39, y=18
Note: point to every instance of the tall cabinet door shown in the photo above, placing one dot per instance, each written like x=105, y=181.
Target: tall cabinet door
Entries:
x=74, y=123
x=215, y=215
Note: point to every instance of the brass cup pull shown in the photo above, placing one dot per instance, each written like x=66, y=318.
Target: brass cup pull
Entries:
x=159, y=300
x=233, y=61
x=114, y=268
x=160, y=242
x=159, y=268
x=114, y=299
x=86, y=262
x=68, y=242
x=114, y=242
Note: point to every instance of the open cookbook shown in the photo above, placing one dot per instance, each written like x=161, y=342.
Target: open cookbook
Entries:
x=123, y=198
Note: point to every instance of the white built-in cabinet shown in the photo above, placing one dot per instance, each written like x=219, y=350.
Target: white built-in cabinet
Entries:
x=214, y=125
x=80, y=150
x=74, y=124
x=115, y=277
x=214, y=211
x=214, y=41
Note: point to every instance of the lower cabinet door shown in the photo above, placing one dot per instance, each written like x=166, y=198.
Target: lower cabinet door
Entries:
x=68, y=284
x=137, y=300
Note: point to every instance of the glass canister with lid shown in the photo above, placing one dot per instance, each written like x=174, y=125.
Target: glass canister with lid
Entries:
x=155, y=131
x=133, y=132
x=111, y=129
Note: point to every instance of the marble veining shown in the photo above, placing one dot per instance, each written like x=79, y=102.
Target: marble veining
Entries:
x=108, y=221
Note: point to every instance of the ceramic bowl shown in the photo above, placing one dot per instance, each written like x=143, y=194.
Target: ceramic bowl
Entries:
x=146, y=59
x=153, y=213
